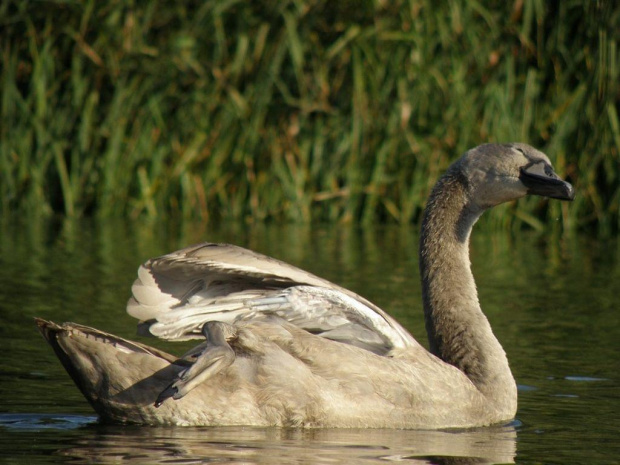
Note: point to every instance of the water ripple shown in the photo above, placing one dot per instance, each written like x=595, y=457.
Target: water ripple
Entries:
x=37, y=421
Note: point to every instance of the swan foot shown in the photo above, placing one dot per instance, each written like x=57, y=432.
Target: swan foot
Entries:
x=217, y=356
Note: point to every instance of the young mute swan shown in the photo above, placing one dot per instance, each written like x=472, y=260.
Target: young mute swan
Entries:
x=286, y=348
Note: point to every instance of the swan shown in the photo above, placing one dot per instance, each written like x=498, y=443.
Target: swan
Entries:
x=283, y=347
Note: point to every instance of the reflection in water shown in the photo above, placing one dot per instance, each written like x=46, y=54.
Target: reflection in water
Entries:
x=274, y=445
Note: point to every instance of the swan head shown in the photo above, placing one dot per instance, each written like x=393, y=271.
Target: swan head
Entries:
x=497, y=173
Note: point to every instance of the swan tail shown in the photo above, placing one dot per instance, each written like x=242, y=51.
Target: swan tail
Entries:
x=121, y=379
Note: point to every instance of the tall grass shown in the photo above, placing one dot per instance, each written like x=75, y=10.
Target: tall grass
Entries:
x=300, y=110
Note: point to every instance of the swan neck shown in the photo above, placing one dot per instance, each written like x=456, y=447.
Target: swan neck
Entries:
x=458, y=331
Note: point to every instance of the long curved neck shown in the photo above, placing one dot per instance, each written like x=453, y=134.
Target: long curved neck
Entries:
x=458, y=331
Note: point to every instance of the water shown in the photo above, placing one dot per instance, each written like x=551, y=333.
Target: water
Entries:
x=552, y=303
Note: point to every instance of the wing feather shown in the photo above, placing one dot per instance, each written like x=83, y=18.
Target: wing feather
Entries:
x=176, y=294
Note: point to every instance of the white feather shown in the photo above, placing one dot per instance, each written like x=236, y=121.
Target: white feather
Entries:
x=179, y=292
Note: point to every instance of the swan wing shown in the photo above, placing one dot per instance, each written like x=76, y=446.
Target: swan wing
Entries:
x=176, y=294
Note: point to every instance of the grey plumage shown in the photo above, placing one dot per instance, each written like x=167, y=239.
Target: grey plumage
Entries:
x=287, y=348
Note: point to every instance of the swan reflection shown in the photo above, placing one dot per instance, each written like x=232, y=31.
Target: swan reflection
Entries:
x=302, y=446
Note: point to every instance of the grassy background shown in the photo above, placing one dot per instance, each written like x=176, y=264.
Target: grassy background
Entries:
x=301, y=110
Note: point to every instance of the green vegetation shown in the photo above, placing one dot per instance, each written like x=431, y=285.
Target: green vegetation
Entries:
x=303, y=109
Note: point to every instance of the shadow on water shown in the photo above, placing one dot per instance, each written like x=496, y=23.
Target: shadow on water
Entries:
x=552, y=303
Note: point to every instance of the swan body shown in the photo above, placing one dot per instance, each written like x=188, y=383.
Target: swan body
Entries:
x=284, y=347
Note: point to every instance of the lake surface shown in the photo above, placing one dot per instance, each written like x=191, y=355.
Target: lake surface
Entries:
x=554, y=303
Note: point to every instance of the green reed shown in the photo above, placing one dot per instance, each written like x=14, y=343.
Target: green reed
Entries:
x=301, y=110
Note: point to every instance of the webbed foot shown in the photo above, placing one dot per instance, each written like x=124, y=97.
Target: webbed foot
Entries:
x=217, y=356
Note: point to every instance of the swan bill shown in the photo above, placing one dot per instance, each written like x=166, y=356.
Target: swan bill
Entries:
x=540, y=179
